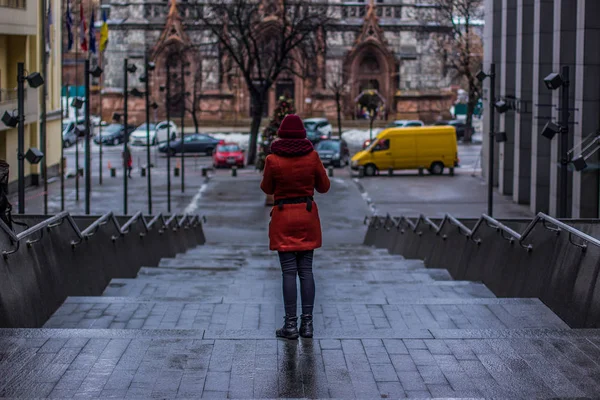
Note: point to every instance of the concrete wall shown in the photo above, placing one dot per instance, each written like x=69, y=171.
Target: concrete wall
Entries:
x=529, y=39
x=560, y=274
x=36, y=280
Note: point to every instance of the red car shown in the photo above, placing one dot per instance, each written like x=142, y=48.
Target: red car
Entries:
x=228, y=155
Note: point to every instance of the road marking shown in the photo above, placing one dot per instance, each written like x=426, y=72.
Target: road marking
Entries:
x=193, y=206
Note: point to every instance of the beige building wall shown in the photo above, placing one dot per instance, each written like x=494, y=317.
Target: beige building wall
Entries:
x=21, y=41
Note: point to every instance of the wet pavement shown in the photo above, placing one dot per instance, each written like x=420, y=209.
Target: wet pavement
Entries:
x=201, y=324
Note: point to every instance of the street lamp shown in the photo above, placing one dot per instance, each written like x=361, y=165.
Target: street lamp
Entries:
x=148, y=66
x=481, y=76
x=167, y=88
x=77, y=103
x=127, y=69
x=34, y=80
x=96, y=72
x=555, y=81
x=183, y=99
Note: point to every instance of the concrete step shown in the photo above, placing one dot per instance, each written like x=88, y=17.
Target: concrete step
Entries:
x=138, y=363
x=367, y=294
x=216, y=314
x=347, y=275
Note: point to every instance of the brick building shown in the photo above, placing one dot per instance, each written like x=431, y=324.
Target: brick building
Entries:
x=380, y=45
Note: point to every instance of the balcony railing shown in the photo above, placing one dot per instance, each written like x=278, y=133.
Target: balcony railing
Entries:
x=20, y=4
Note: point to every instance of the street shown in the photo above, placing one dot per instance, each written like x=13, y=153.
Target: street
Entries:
x=463, y=195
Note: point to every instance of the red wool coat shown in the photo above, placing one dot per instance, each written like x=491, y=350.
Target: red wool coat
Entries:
x=294, y=228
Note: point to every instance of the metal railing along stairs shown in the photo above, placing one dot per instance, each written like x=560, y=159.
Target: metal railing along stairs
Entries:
x=163, y=223
x=552, y=224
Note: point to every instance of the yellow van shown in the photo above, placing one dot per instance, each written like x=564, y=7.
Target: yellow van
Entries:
x=429, y=147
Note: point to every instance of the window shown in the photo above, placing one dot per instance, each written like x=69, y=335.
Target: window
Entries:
x=383, y=144
x=191, y=138
x=21, y=4
x=414, y=124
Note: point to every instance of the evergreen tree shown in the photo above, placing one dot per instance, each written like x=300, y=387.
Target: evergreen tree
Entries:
x=284, y=107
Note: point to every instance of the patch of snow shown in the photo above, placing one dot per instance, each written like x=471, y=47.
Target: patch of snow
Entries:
x=356, y=137
x=243, y=139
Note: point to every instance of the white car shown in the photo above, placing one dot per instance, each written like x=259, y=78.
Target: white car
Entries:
x=317, y=129
x=158, y=133
x=404, y=123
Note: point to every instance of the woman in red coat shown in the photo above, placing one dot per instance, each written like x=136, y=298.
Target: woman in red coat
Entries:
x=292, y=173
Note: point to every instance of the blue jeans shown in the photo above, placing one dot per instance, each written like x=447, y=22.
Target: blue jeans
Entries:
x=297, y=263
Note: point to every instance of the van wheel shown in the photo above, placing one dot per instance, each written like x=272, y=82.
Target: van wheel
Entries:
x=437, y=168
x=370, y=170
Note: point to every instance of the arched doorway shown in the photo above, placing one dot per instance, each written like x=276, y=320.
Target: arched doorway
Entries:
x=369, y=73
x=371, y=67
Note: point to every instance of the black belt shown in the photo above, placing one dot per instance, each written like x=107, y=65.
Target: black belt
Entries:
x=296, y=200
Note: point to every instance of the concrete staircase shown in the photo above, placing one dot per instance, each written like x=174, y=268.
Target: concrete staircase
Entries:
x=202, y=325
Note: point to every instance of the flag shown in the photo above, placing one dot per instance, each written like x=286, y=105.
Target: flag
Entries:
x=82, y=29
x=92, y=33
x=48, y=24
x=69, y=23
x=103, y=32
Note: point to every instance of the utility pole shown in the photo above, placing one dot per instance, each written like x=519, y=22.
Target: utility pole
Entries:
x=182, y=125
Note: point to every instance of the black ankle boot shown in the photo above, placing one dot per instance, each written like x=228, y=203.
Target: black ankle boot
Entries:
x=306, y=326
x=289, y=329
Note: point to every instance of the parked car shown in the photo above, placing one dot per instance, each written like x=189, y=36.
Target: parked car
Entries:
x=228, y=155
x=69, y=134
x=334, y=152
x=70, y=125
x=399, y=123
x=113, y=134
x=459, y=125
x=195, y=143
x=404, y=123
x=158, y=133
x=317, y=129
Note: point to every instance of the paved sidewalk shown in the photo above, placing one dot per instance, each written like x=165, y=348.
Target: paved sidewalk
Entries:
x=201, y=325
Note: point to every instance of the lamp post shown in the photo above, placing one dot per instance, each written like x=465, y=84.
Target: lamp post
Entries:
x=183, y=99
x=555, y=81
x=492, y=100
x=149, y=66
x=168, y=103
x=127, y=68
x=96, y=72
x=34, y=156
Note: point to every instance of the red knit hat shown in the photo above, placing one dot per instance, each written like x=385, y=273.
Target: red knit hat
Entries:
x=291, y=128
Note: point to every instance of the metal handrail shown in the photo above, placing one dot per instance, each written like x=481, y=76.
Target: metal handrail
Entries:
x=544, y=218
x=408, y=222
x=506, y=232
x=501, y=228
x=462, y=229
x=427, y=221
x=57, y=220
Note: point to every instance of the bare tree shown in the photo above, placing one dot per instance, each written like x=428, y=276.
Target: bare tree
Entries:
x=263, y=41
x=338, y=84
x=459, y=45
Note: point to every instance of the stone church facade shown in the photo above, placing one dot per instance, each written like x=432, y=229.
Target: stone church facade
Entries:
x=367, y=45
